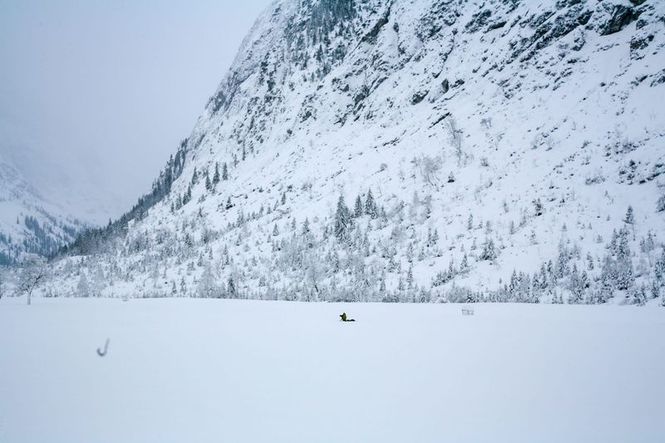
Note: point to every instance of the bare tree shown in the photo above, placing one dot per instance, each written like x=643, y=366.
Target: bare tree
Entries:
x=456, y=139
x=429, y=169
x=29, y=279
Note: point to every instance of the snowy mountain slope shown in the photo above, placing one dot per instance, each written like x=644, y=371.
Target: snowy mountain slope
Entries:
x=495, y=136
x=29, y=225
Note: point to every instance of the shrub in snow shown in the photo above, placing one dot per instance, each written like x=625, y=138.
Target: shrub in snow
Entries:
x=660, y=204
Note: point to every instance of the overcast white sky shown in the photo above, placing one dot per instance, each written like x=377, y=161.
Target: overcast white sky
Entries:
x=95, y=95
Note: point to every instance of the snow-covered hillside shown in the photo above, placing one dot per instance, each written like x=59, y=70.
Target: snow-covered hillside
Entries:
x=29, y=225
x=502, y=141
x=243, y=371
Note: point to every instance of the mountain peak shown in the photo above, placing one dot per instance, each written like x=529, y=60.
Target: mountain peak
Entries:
x=496, y=138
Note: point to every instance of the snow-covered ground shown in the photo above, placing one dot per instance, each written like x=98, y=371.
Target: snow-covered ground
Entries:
x=240, y=371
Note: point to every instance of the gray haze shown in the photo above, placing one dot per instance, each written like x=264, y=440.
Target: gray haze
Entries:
x=95, y=95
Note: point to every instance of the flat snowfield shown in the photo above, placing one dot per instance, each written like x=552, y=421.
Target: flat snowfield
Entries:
x=182, y=370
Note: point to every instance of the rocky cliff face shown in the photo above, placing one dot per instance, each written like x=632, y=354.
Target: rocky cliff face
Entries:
x=502, y=143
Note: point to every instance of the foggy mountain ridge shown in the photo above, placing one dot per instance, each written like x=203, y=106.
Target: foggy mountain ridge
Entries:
x=30, y=225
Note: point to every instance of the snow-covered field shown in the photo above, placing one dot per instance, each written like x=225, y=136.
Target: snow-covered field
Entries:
x=238, y=371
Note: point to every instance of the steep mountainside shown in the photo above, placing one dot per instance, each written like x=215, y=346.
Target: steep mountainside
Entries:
x=29, y=225
x=502, y=142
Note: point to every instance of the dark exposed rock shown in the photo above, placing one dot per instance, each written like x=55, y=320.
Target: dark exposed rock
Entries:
x=445, y=86
x=370, y=37
x=583, y=19
x=547, y=31
x=622, y=16
x=658, y=78
x=562, y=26
x=496, y=25
x=440, y=119
x=637, y=43
x=441, y=14
x=418, y=97
x=478, y=20
x=565, y=3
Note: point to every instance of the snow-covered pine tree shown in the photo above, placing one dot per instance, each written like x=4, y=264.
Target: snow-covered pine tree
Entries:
x=624, y=265
x=489, y=251
x=358, y=207
x=576, y=287
x=195, y=176
x=464, y=265
x=343, y=220
x=231, y=289
x=659, y=269
x=82, y=288
x=370, y=205
x=216, y=177
x=206, y=287
x=608, y=278
x=629, y=218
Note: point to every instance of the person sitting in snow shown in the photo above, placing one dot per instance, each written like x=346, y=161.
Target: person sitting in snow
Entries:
x=345, y=318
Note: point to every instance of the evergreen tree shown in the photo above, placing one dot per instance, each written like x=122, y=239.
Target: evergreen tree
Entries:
x=513, y=286
x=608, y=278
x=638, y=295
x=489, y=251
x=231, y=288
x=343, y=220
x=370, y=205
x=613, y=242
x=358, y=208
x=225, y=172
x=576, y=286
x=206, y=287
x=215, y=177
x=624, y=264
x=630, y=217
x=382, y=283
x=659, y=269
x=82, y=288
x=655, y=289
x=464, y=265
